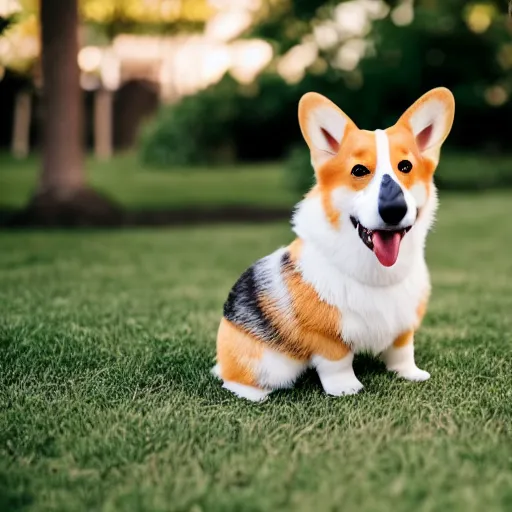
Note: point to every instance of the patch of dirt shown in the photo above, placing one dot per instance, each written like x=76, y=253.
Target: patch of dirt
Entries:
x=81, y=208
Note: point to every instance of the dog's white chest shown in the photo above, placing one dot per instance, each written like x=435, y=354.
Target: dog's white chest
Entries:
x=371, y=317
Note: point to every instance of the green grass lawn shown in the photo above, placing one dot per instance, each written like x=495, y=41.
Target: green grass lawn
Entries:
x=135, y=187
x=106, y=401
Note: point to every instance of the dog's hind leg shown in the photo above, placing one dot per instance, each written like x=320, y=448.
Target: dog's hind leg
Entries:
x=238, y=355
x=248, y=367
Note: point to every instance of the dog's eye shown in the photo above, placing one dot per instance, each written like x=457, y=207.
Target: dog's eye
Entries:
x=359, y=171
x=405, y=166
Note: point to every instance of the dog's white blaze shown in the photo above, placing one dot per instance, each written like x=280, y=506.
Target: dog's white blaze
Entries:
x=383, y=157
x=418, y=192
x=367, y=201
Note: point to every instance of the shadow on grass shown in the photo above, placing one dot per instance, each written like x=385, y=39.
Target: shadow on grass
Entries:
x=191, y=374
x=13, y=497
x=73, y=216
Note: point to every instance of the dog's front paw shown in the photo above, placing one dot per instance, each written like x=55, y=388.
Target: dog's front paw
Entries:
x=339, y=386
x=412, y=373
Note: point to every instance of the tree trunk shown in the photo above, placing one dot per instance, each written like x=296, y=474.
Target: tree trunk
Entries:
x=103, y=124
x=62, y=197
x=62, y=171
x=20, y=144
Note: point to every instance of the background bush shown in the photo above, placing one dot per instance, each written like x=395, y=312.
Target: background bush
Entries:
x=194, y=131
x=225, y=122
x=299, y=172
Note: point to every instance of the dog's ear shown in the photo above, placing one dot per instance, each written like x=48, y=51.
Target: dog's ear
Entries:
x=430, y=119
x=323, y=126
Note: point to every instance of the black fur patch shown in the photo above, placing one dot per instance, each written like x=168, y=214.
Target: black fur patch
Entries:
x=286, y=262
x=242, y=306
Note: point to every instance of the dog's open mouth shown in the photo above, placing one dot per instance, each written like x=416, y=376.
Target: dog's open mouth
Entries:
x=384, y=243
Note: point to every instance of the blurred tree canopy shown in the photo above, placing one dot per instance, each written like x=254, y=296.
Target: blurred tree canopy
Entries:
x=407, y=49
x=139, y=16
x=132, y=12
x=113, y=17
x=102, y=19
x=371, y=57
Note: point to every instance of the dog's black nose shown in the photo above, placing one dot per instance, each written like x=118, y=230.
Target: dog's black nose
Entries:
x=392, y=205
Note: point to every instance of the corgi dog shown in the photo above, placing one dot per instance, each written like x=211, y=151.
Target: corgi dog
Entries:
x=355, y=278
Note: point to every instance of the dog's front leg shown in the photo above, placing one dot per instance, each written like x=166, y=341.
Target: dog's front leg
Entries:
x=337, y=377
x=399, y=358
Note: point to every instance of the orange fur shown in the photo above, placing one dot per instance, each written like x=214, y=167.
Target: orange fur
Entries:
x=237, y=352
x=404, y=339
x=314, y=326
x=295, y=248
x=359, y=148
x=407, y=337
x=403, y=147
x=421, y=310
x=311, y=312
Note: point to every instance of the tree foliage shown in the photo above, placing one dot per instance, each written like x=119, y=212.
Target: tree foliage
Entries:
x=115, y=16
x=463, y=46
x=103, y=19
x=145, y=16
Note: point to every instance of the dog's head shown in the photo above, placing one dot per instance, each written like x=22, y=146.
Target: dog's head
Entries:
x=378, y=182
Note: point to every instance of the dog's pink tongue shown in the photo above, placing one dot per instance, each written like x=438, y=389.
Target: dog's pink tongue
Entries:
x=386, y=246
